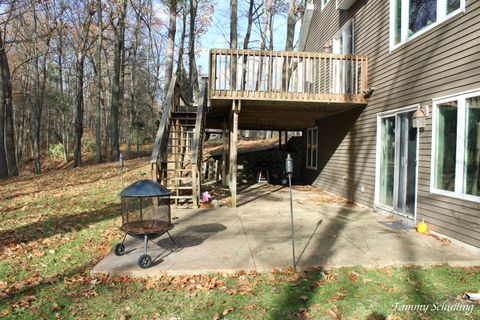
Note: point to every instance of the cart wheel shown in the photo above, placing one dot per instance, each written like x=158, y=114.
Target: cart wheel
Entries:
x=145, y=261
x=119, y=249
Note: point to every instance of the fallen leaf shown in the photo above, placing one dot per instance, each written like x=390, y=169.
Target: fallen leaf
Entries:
x=250, y=307
x=336, y=297
x=333, y=312
x=353, y=276
x=228, y=310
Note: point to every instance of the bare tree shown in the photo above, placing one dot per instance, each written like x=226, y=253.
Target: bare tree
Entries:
x=79, y=72
x=40, y=69
x=118, y=49
x=3, y=156
x=172, y=30
x=192, y=66
x=6, y=100
x=233, y=24
x=291, y=23
x=98, y=86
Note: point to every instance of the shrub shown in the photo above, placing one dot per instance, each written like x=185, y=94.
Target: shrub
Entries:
x=56, y=150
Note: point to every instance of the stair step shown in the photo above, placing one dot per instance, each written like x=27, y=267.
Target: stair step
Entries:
x=180, y=179
x=175, y=170
x=184, y=132
x=187, y=125
x=184, y=118
x=188, y=110
x=173, y=161
x=181, y=197
x=180, y=188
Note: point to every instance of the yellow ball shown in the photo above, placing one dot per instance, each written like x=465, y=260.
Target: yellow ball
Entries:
x=422, y=227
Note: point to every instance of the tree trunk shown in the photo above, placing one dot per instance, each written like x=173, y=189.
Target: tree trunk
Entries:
x=246, y=42
x=291, y=22
x=77, y=151
x=3, y=156
x=8, y=100
x=63, y=107
x=234, y=39
x=81, y=53
x=98, y=87
x=233, y=25
x=181, y=48
x=116, y=90
x=263, y=35
x=192, y=67
x=172, y=29
x=263, y=39
x=40, y=66
x=133, y=80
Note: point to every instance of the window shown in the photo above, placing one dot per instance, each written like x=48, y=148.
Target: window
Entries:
x=409, y=18
x=324, y=3
x=456, y=147
x=312, y=135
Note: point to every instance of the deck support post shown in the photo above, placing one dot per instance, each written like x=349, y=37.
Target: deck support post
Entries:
x=236, y=105
x=224, y=153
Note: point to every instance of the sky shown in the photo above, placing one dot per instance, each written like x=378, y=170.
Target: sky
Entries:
x=218, y=34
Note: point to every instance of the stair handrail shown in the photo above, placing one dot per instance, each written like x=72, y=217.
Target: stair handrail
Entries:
x=201, y=102
x=161, y=138
x=197, y=141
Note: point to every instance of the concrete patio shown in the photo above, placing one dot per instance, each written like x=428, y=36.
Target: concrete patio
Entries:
x=257, y=236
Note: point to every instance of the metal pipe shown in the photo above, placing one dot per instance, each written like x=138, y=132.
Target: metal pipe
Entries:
x=289, y=171
x=145, y=244
x=292, y=222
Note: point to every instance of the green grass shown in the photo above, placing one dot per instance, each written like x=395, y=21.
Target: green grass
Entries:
x=55, y=227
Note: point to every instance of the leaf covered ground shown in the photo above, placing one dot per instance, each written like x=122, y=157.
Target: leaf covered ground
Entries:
x=55, y=227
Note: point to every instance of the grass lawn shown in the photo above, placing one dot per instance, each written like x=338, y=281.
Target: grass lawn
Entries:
x=55, y=227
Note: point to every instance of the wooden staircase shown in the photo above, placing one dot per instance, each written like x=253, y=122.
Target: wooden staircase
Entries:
x=177, y=152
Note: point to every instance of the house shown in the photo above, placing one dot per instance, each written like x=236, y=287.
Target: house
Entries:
x=422, y=55
x=386, y=94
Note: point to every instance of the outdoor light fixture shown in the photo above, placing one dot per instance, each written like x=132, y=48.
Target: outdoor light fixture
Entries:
x=419, y=119
x=289, y=171
x=368, y=92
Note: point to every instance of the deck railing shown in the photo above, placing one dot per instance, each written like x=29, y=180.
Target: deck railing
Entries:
x=287, y=76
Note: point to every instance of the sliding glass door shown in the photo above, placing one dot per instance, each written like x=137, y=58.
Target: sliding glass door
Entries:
x=397, y=163
x=387, y=160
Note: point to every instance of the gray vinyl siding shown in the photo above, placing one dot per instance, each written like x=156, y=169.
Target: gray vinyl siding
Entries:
x=443, y=61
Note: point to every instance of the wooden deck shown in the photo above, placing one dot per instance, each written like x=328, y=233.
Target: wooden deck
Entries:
x=287, y=76
x=284, y=90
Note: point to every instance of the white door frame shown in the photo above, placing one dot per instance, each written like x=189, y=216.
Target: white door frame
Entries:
x=377, y=204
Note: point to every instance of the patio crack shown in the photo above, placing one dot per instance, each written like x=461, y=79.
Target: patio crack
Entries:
x=248, y=243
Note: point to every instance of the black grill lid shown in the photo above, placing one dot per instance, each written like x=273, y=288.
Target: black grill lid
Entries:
x=145, y=188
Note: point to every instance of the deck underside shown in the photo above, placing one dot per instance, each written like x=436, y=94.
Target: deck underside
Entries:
x=275, y=115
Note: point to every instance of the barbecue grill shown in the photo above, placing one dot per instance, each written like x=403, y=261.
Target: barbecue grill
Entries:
x=145, y=214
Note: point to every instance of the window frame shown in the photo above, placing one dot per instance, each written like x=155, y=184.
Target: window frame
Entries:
x=442, y=16
x=458, y=192
x=324, y=4
x=310, y=161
